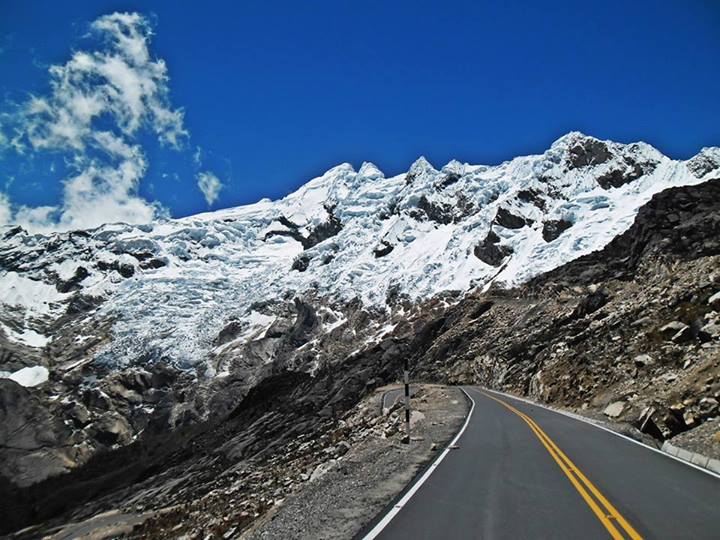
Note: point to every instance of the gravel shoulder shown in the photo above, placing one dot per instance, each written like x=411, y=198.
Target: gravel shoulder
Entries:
x=345, y=494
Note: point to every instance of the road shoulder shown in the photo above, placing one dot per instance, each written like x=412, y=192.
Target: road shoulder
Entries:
x=346, y=496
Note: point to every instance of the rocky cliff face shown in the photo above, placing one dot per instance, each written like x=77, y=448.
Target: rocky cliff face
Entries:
x=131, y=354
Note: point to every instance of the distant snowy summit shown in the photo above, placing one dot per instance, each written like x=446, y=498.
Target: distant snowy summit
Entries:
x=165, y=289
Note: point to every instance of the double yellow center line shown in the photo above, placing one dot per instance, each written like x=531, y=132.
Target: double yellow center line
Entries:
x=605, y=512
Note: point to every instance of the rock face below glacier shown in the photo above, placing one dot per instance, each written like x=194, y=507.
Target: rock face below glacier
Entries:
x=163, y=325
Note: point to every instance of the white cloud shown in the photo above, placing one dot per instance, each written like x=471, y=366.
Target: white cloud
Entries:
x=120, y=86
x=5, y=209
x=37, y=219
x=210, y=186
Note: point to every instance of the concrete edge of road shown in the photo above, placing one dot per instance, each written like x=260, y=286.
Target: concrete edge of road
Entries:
x=691, y=459
x=375, y=527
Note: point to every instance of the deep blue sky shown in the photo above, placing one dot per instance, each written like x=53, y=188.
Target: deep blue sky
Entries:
x=278, y=92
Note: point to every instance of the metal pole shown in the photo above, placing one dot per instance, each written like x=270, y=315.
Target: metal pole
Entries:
x=407, y=402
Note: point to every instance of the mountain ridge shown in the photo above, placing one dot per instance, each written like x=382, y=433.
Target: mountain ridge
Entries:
x=128, y=328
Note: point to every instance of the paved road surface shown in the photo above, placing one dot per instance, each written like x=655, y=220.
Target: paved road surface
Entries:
x=522, y=471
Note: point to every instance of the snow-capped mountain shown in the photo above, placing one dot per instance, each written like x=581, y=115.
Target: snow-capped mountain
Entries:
x=164, y=290
x=128, y=329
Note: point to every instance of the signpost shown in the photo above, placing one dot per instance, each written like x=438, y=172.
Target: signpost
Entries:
x=407, y=401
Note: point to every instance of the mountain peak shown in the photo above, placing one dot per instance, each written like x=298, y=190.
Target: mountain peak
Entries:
x=370, y=170
x=571, y=138
x=706, y=163
x=340, y=169
x=421, y=165
x=454, y=166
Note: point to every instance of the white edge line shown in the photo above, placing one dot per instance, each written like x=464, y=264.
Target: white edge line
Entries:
x=599, y=426
x=402, y=502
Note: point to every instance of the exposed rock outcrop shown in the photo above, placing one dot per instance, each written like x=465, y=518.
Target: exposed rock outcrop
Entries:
x=35, y=444
x=552, y=229
x=317, y=234
x=490, y=251
x=507, y=219
x=385, y=248
x=588, y=151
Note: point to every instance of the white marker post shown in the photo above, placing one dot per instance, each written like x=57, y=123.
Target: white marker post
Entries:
x=407, y=401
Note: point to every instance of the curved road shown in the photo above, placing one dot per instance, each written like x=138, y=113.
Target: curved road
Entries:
x=522, y=471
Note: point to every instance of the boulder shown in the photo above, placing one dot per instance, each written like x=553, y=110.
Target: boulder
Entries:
x=642, y=360
x=138, y=380
x=642, y=321
x=590, y=303
x=714, y=301
x=96, y=399
x=647, y=424
x=711, y=330
x=78, y=413
x=342, y=448
x=111, y=428
x=671, y=329
x=117, y=390
x=689, y=419
x=615, y=409
x=708, y=406
x=684, y=335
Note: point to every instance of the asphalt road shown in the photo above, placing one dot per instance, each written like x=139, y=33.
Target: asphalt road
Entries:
x=522, y=471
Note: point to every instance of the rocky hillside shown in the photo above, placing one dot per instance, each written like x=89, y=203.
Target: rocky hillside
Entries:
x=226, y=343
x=632, y=330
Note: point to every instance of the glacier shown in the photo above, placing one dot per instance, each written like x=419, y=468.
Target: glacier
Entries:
x=164, y=290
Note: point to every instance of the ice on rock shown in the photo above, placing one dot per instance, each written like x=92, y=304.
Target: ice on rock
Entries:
x=26, y=336
x=32, y=295
x=28, y=376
